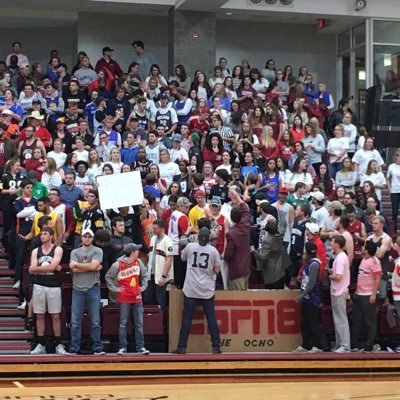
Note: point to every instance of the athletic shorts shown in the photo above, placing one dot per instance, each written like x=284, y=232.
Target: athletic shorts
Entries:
x=46, y=299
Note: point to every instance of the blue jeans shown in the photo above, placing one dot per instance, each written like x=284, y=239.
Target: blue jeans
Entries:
x=155, y=294
x=86, y=300
x=137, y=320
x=189, y=305
x=333, y=169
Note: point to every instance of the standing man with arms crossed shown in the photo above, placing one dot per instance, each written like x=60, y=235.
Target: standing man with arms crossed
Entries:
x=46, y=296
x=85, y=265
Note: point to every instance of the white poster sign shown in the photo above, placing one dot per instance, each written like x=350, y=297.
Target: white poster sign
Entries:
x=120, y=190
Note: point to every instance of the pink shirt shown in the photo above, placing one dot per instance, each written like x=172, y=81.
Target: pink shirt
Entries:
x=340, y=267
x=369, y=268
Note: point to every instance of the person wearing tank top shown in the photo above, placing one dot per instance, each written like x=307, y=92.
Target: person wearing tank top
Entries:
x=46, y=295
x=384, y=244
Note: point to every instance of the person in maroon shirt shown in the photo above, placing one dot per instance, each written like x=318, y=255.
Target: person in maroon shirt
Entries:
x=246, y=94
x=166, y=215
x=107, y=62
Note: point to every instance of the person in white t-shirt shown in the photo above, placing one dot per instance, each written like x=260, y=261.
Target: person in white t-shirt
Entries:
x=337, y=150
x=393, y=178
x=363, y=156
x=350, y=132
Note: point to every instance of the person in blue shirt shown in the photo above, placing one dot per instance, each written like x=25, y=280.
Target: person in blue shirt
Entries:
x=130, y=150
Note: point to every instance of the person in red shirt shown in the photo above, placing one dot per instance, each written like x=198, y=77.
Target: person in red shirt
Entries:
x=35, y=119
x=297, y=129
x=166, y=215
x=213, y=149
x=107, y=62
x=128, y=277
x=286, y=145
x=312, y=234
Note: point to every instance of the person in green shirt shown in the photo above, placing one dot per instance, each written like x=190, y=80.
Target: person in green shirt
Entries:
x=39, y=190
x=297, y=197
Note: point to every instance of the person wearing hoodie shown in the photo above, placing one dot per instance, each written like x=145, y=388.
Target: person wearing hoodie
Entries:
x=128, y=277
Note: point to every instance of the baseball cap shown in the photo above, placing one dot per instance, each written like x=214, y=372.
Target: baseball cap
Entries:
x=204, y=236
x=183, y=201
x=107, y=48
x=215, y=201
x=61, y=119
x=312, y=227
x=164, y=96
x=177, y=137
x=6, y=112
x=128, y=248
x=199, y=193
x=89, y=231
x=61, y=65
x=24, y=65
x=36, y=101
x=283, y=190
x=31, y=174
x=336, y=205
x=318, y=195
x=98, y=100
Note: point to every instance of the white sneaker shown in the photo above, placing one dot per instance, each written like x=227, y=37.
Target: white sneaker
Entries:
x=39, y=349
x=143, y=350
x=300, y=349
x=99, y=353
x=315, y=350
x=121, y=351
x=17, y=285
x=22, y=306
x=60, y=349
x=342, y=349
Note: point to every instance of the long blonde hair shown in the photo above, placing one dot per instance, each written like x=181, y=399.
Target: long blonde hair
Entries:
x=266, y=137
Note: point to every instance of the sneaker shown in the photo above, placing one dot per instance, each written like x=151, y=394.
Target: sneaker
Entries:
x=60, y=349
x=300, y=349
x=376, y=348
x=39, y=349
x=72, y=352
x=368, y=349
x=121, y=352
x=99, y=353
x=179, y=351
x=17, y=285
x=342, y=349
x=29, y=324
x=397, y=349
x=143, y=350
x=216, y=351
x=22, y=306
x=357, y=350
x=315, y=350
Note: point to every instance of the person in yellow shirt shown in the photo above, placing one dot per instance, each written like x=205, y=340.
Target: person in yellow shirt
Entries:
x=43, y=207
x=200, y=210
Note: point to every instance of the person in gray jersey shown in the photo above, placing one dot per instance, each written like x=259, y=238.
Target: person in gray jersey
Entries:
x=85, y=265
x=203, y=263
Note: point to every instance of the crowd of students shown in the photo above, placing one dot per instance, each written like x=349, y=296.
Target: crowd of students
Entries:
x=281, y=180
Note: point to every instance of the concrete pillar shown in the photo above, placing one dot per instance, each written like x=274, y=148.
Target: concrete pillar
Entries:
x=192, y=40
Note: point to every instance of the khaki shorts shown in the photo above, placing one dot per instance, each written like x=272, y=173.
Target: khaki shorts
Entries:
x=46, y=299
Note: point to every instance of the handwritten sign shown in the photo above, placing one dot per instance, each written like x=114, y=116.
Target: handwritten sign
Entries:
x=120, y=190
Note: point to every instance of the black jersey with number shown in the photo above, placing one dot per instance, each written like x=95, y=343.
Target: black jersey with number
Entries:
x=10, y=181
x=93, y=219
x=297, y=238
